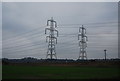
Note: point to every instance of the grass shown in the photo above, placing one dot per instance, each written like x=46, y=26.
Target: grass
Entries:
x=59, y=72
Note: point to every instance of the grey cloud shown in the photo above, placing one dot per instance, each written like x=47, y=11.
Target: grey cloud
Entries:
x=22, y=17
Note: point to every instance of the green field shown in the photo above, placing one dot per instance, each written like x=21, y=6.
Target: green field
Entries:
x=59, y=72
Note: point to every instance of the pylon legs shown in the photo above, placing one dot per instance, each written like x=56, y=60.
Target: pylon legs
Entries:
x=82, y=56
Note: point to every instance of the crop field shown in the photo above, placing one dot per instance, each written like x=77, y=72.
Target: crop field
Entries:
x=59, y=72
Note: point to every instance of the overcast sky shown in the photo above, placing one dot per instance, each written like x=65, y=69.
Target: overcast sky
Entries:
x=24, y=23
x=0, y=29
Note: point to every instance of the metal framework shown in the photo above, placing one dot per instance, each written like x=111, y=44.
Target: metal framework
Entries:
x=82, y=43
x=51, y=38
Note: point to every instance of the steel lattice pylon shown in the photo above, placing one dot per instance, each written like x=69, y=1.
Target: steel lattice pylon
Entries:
x=51, y=39
x=82, y=43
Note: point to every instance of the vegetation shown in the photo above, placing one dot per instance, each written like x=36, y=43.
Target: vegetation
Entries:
x=59, y=72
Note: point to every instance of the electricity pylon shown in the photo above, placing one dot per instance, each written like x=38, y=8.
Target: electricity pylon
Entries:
x=51, y=39
x=82, y=43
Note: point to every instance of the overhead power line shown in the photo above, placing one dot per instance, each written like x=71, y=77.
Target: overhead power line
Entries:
x=22, y=39
x=23, y=50
x=23, y=34
x=98, y=23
